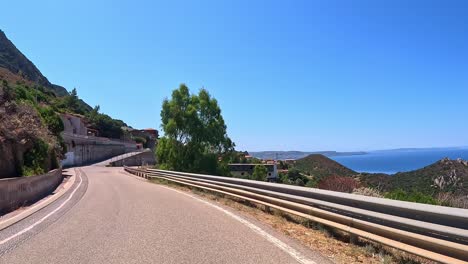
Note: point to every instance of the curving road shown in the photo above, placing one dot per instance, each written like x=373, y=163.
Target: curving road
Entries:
x=109, y=216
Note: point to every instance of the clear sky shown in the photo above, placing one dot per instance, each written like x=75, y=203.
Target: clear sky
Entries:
x=288, y=75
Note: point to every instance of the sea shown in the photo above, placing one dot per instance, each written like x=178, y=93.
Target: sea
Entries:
x=399, y=160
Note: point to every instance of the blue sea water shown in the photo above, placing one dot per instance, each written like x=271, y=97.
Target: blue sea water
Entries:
x=393, y=161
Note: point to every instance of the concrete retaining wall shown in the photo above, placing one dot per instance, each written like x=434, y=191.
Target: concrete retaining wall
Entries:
x=144, y=158
x=87, y=154
x=84, y=150
x=17, y=192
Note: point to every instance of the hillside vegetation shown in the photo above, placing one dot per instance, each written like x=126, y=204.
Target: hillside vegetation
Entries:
x=195, y=137
x=30, y=126
x=14, y=62
x=443, y=176
x=444, y=182
x=319, y=166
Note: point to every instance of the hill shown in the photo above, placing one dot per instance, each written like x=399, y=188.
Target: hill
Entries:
x=284, y=155
x=443, y=176
x=30, y=125
x=15, y=66
x=319, y=166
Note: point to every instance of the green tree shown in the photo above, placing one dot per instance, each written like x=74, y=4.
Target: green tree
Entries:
x=195, y=133
x=51, y=119
x=284, y=178
x=259, y=173
x=71, y=101
x=106, y=125
x=35, y=159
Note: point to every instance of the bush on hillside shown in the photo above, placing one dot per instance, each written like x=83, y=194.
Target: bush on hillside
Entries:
x=294, y=177
x=367, y=191
x=338, y=184
x=452, y=200
x=51, y=120
x=35, y=159
x=259, y=173
x=411, y=196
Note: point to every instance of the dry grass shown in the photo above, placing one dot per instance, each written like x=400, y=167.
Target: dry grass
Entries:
x=334, y=244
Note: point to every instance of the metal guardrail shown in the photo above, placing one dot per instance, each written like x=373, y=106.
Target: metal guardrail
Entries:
x=435, y=232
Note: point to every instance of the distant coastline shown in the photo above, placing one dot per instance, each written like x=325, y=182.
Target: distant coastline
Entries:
x=387, y=161
x=284, y=155
x=401, y=160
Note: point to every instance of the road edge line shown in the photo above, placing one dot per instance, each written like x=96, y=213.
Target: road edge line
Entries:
x=46, y=216
x=295, y=254
x=36, y=207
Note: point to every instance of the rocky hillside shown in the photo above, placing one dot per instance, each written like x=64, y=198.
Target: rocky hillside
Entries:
x=443, y=176
x=24, y=149
x=319, y=166
x=30, y=126
x=15, y=66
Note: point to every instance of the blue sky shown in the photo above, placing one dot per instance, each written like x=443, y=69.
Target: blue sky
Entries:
x=289, y=75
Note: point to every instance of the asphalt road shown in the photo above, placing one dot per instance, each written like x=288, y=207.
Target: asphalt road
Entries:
x=110, y=216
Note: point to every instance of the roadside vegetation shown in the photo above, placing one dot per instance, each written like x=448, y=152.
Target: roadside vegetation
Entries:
x=31, y=123
x=196, y=141
x=195, y=138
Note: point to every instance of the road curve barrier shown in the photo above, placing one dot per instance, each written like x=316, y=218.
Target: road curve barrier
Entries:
x=434, y=232
x=20, y=191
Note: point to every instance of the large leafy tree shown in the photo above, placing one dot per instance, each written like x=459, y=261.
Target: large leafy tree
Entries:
x=107, y=126
x=195, y=133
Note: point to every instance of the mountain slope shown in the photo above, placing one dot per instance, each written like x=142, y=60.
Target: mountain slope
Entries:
x=443, y=176
x=16, y=67
x=30, y=108
x=318, y=165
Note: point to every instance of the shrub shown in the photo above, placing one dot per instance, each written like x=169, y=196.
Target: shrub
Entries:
x=452, y=200
x=338, y=184
x=140, y=140
x=35, y=159
x=368, y=192
x=299, y=182
x=283, y=178
x=312, y=183
x=411, y=196
x=51, y=120
x=6, y=92
x=259, y=173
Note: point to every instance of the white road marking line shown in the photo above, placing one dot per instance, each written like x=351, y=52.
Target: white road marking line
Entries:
x=278, y=243
x=46, y=216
